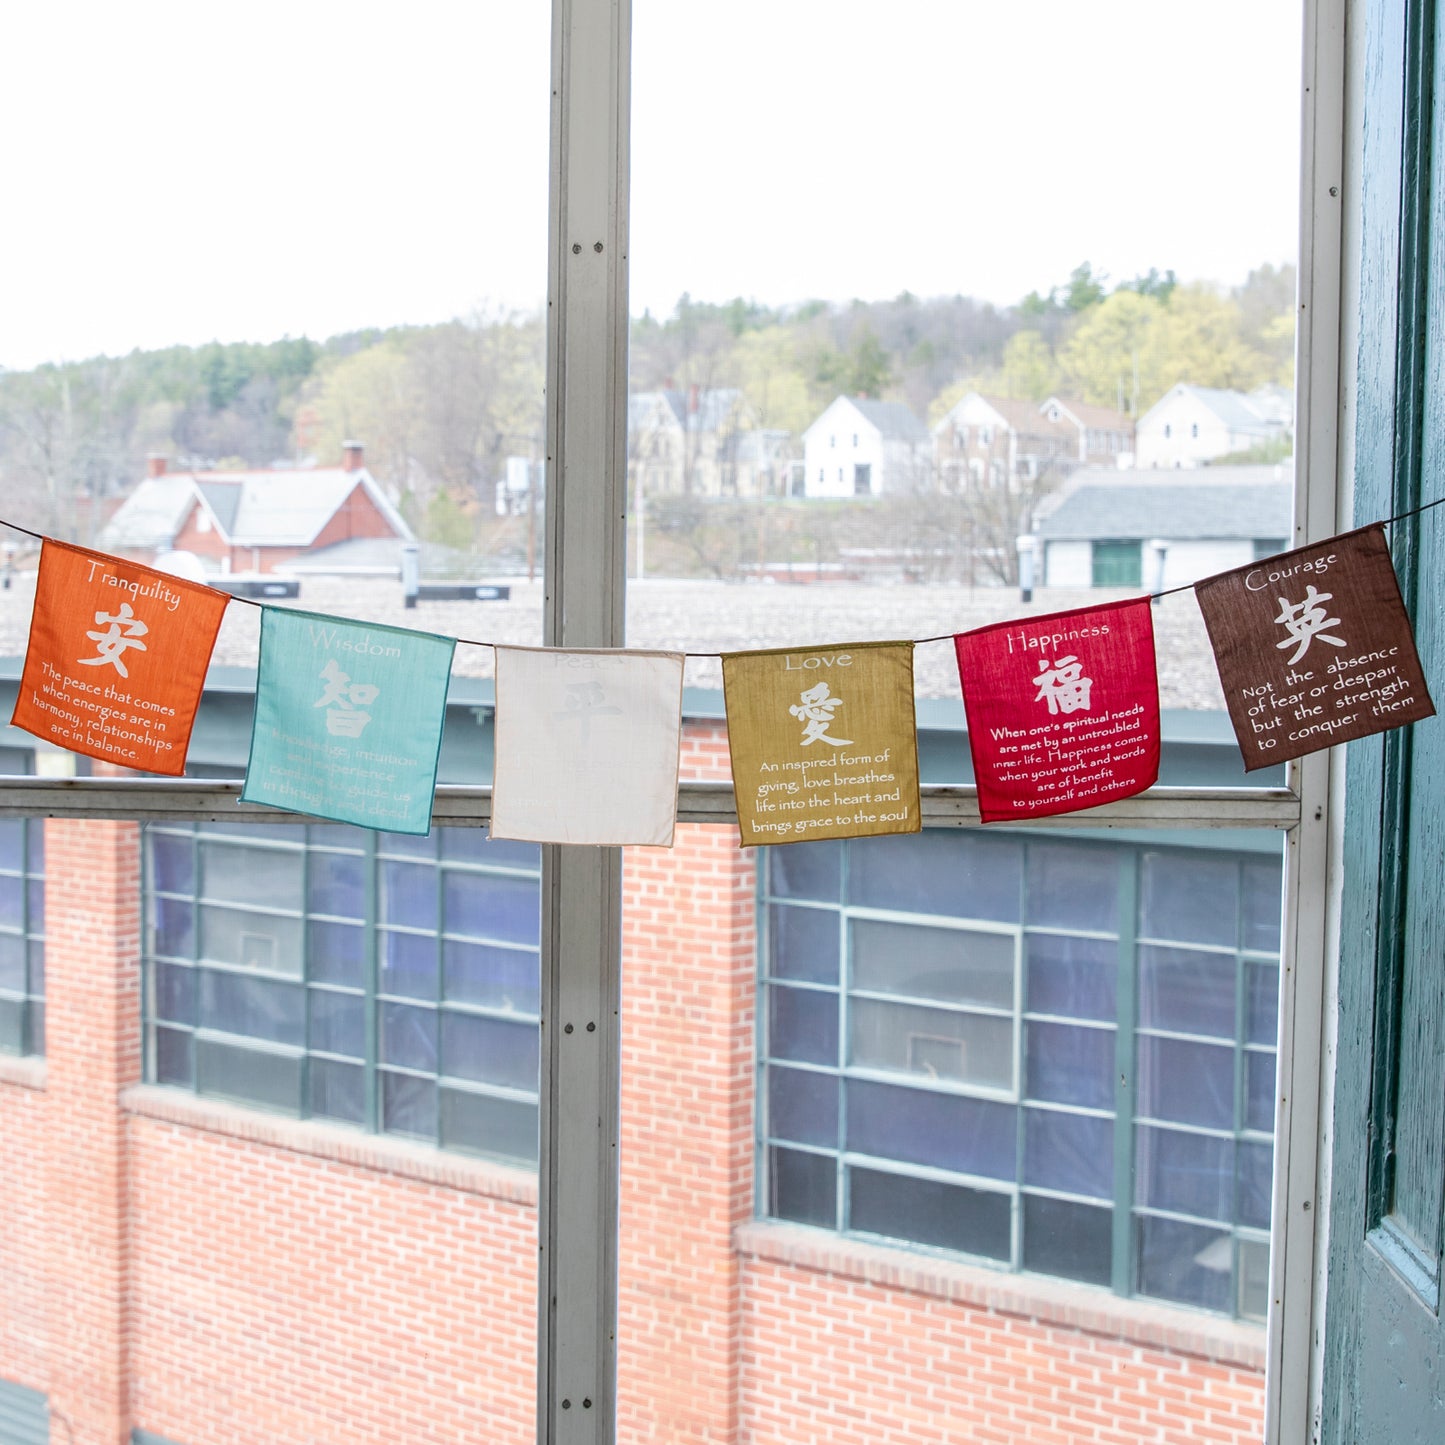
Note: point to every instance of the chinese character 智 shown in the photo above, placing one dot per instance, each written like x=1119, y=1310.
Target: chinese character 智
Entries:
x=343, y=720
x=123, y=629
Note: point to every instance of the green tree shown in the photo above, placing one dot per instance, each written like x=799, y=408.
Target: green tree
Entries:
x=1108, y=354
x=1029, y=369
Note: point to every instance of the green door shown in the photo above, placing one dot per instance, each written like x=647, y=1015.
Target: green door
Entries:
x=1118, y=564
x=1384, y=1344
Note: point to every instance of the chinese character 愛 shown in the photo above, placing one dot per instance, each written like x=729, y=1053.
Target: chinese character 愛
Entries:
x=816, y=711
x=1305, y=621
x=345, y=699
x=123, y=629
x=1062, y=685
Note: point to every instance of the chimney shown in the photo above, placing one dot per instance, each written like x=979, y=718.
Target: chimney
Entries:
x=155, y=464
x=692, y=399
x=352, y=459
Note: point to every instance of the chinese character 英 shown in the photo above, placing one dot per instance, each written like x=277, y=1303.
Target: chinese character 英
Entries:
x=1305, y=621
x=586, y=700
x=816, y=711
x=112, y=643
x=1062, y=685
x=344, y=700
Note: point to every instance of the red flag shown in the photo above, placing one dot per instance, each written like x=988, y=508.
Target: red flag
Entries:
x=1063, y=710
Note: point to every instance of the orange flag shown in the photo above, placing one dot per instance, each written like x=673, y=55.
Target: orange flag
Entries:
x=117, y=658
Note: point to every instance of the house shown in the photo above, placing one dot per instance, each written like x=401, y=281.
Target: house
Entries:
x=253, y=521
x=1106, y=436
x=1191, y=425
x=1097, y=530
x=683, y=443
x=860, y=447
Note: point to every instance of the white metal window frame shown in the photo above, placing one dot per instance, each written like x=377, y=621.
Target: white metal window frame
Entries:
x=587, y=330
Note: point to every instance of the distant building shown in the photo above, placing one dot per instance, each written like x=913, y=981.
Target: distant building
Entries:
x=864, y=448
x=253, y=521
x=683, y=443
x=1098, y=530
x=1191, y=425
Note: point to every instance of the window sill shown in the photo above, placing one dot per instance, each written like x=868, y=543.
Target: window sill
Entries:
x=26, y=1071
x=1043, y=1301
x=334, y=1142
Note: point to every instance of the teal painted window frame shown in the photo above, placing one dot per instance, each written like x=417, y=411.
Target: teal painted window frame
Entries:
x=22, y=937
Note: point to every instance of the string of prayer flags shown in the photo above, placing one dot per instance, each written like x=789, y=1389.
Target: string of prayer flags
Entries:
x=823, y=741
x=117, y=658
x=1314, y=647
x=1063, y=710
x=588, y=745
x=348, y=721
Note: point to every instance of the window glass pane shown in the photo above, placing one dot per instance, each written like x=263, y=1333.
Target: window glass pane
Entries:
x=35, y=845
x=408, y=964
x=507, y=979
x=260, y=1008
x=962, y=1047
x=12, y=901
x=803, y=1025
x=1070, y=1065
x=1073, y=886
x=952, y=965
x=408, y=1105
x=1185, y=1173
x=408, y=895
x=1262, y=906
x=1067, y=1239
x=806, y=870
x=1190, y=898
x=972, y=1136
x=336, y=884
x=1186, y=991
x=12, y=962
x=490, y=1051
x=973, y=1221
x=248, y=1075
x=1187, y=1263
x=487, y=906
x=803, y=1106
x=1071, y=976
x=1186, y=1082
x=476, y=845
x=172, y=864
x=1071, y=1152
x=409, y=1036
x=12, y=844
x=803, y=942
x=173, y=1057
x=263, y=877
x=336, y=835
x=250, y=940
x=1261, y=1005
x=1253, y=1279
x=338, y=1023
x=338, y=1091
x=1259, y=1097
x=1256, y=1165
x=175, y=993
x=937, y=872
x=337, y=952
x=407, y=845
x=803, y=1187
x=484, y=1124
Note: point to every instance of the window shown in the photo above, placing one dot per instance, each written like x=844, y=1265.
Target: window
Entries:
x=367, y=978
x=862, y=479
x=22, y=935
x=1168, y=431
x=1194, y=429
x=946, y=1020
x=855, y=440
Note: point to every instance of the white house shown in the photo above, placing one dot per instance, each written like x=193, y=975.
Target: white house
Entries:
x=1098, y=530
x=1191, y=425
x=865, y=448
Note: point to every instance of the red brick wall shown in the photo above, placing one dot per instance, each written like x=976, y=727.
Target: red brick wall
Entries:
x=24, y=1328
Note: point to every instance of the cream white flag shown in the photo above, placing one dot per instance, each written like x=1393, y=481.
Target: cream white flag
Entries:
x=587, y=745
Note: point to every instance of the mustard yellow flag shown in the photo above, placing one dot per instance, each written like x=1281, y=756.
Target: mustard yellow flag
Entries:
x=823, y=741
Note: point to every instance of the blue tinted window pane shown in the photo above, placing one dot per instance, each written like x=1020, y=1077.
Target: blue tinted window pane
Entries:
x=336, y=884
x=484, y=1124
x=173, y=1057
x=409, y=1037
x=956, y=965
x=1072, y=885
x=1187, y=992
x=803, y=1025
x=1263, y=906
x=491, y=1051
x=12, y=902
x=1188, y=1083
x=1071, y=1152
x=508, y=979
x=1185, y=1173
x=12, y=962
x=482, y=905
x=939, y=871
x=337, y=953
x=1189, y=898
x=261, y=877
x=1256, y=1166
x=967, y=1048
x=269, y=1079
x=1261, y=1003
x=803, y=1107
x=336, y=835
x=803, y=1187
x=1068, y=1239
x=12, y=844
x=1259, y=1092
x=408, y=964
x=1188, y=1263
x=803, y=942
x=407, y=845
x=806, y=870
x=35, y=845
x=260, y=1008
x=338, y=1023
x=475, y=845
x=409, y=1105
x=408, y=895
x=251, y=940
x=1071, y=976
x=172, y=869
x=12, y=1026
x=925, y=1211
x=338, y=1091
x=175, y=993
x=973, y=1136
x=35, y=903
x=1070, y=1065
x=37, y=966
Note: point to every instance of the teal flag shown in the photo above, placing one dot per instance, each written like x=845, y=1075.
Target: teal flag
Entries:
x=348, y=720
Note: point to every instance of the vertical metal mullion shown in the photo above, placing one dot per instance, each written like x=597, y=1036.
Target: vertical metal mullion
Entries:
x=583, y=607
x=1126, y=1017
x=370, y=979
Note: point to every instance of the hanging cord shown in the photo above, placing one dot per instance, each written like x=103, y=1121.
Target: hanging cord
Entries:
x=917, y=641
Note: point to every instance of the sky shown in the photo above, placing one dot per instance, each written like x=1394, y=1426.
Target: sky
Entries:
x=180, y=173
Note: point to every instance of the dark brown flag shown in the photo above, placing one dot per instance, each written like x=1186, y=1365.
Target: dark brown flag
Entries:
x=1314, y=647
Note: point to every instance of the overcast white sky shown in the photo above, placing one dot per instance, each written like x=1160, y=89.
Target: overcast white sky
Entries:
x=188, y=172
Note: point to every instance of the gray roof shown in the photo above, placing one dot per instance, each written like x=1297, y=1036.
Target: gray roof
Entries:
x=892, y=418
x=1205, y=503
x=151, y=515
x=223, y=498
x=715, y=406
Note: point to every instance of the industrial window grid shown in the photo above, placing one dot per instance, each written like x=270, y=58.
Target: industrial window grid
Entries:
x=22, y=935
